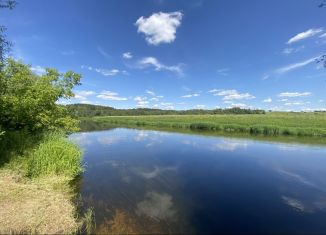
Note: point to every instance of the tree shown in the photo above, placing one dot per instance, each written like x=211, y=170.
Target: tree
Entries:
x=28, y=101
x=4, y=43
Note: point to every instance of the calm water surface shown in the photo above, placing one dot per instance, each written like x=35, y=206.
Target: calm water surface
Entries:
x=157, y=182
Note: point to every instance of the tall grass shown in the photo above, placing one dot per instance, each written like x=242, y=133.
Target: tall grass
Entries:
x=40, y=155
x=55, y=155
x=45, y=163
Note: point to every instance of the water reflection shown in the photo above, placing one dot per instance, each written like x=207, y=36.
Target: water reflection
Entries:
x=109, y=140
x=225, y=144
x=230, y=145
x=155, y=182
x=153, y=173
x=157, y=206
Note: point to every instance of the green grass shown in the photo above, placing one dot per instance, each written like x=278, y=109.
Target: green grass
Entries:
x=37, y=170
x=55, y=155
x=41, y=155
x=273, y=124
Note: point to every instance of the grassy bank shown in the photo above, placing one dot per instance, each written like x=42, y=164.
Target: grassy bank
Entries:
x=274, y=123
x=35, y=175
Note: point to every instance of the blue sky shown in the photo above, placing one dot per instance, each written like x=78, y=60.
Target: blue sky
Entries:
x=179, y=54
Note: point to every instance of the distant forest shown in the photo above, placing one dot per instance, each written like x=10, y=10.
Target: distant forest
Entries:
x=88, y=110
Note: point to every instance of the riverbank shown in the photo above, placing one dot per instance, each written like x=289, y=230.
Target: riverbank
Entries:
x=270, y=124
x=35, y=175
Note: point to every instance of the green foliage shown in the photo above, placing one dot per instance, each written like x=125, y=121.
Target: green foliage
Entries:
x=28, y=101
x=55, y=155
x=271, y=124
x=88, y=110
x=5, y=45
x=40, y=155
x=17, y=144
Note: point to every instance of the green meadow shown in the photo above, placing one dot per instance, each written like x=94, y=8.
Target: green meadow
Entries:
x=271, y=123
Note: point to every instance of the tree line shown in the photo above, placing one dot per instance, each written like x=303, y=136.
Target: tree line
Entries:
x=89, y=110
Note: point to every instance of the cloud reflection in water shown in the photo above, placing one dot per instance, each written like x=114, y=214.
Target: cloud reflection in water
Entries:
x=157, y=206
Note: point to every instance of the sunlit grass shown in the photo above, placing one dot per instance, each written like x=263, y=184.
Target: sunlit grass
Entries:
x=275, y=123
x=35, y=176
x=55, y=155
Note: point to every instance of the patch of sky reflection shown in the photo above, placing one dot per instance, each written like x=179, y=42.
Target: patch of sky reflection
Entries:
x=192, y=183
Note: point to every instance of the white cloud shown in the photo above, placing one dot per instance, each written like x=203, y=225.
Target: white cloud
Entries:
x=323, y=35
x=232, y=94
x=224, y=71
x=127, y=55
x=152, y=93
x=200, y=106
x=290, y=50
x=154, y=99
x=141, y=102
x=213, y=90
x=109, y=95
x=103, y=52
x=152, y=61
x=294, y=94
x=38, y=70
x=238, y=105
x=138, y=98
x=154, y=96
x=296, y=103
x=82, y=95
x=86, y=102
x=295, y=66
x=107, y=72
x=190, y=95
x=104, y=72
x=85, y=93
x=160, y=27
x=124, y=72
x=307, y=34
x=167, y=105
x=268, y=100
x=266, y=76
x=283, y=100
x=163, y=105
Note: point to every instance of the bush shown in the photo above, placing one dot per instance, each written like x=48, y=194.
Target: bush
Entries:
x=28, y=101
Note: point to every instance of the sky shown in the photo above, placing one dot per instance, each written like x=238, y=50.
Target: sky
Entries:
x=178, y=54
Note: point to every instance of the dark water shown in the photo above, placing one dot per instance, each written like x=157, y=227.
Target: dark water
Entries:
x=144, y=181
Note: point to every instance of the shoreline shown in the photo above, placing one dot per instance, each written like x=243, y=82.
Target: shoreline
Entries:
x=37, y=194
x=302, y=128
